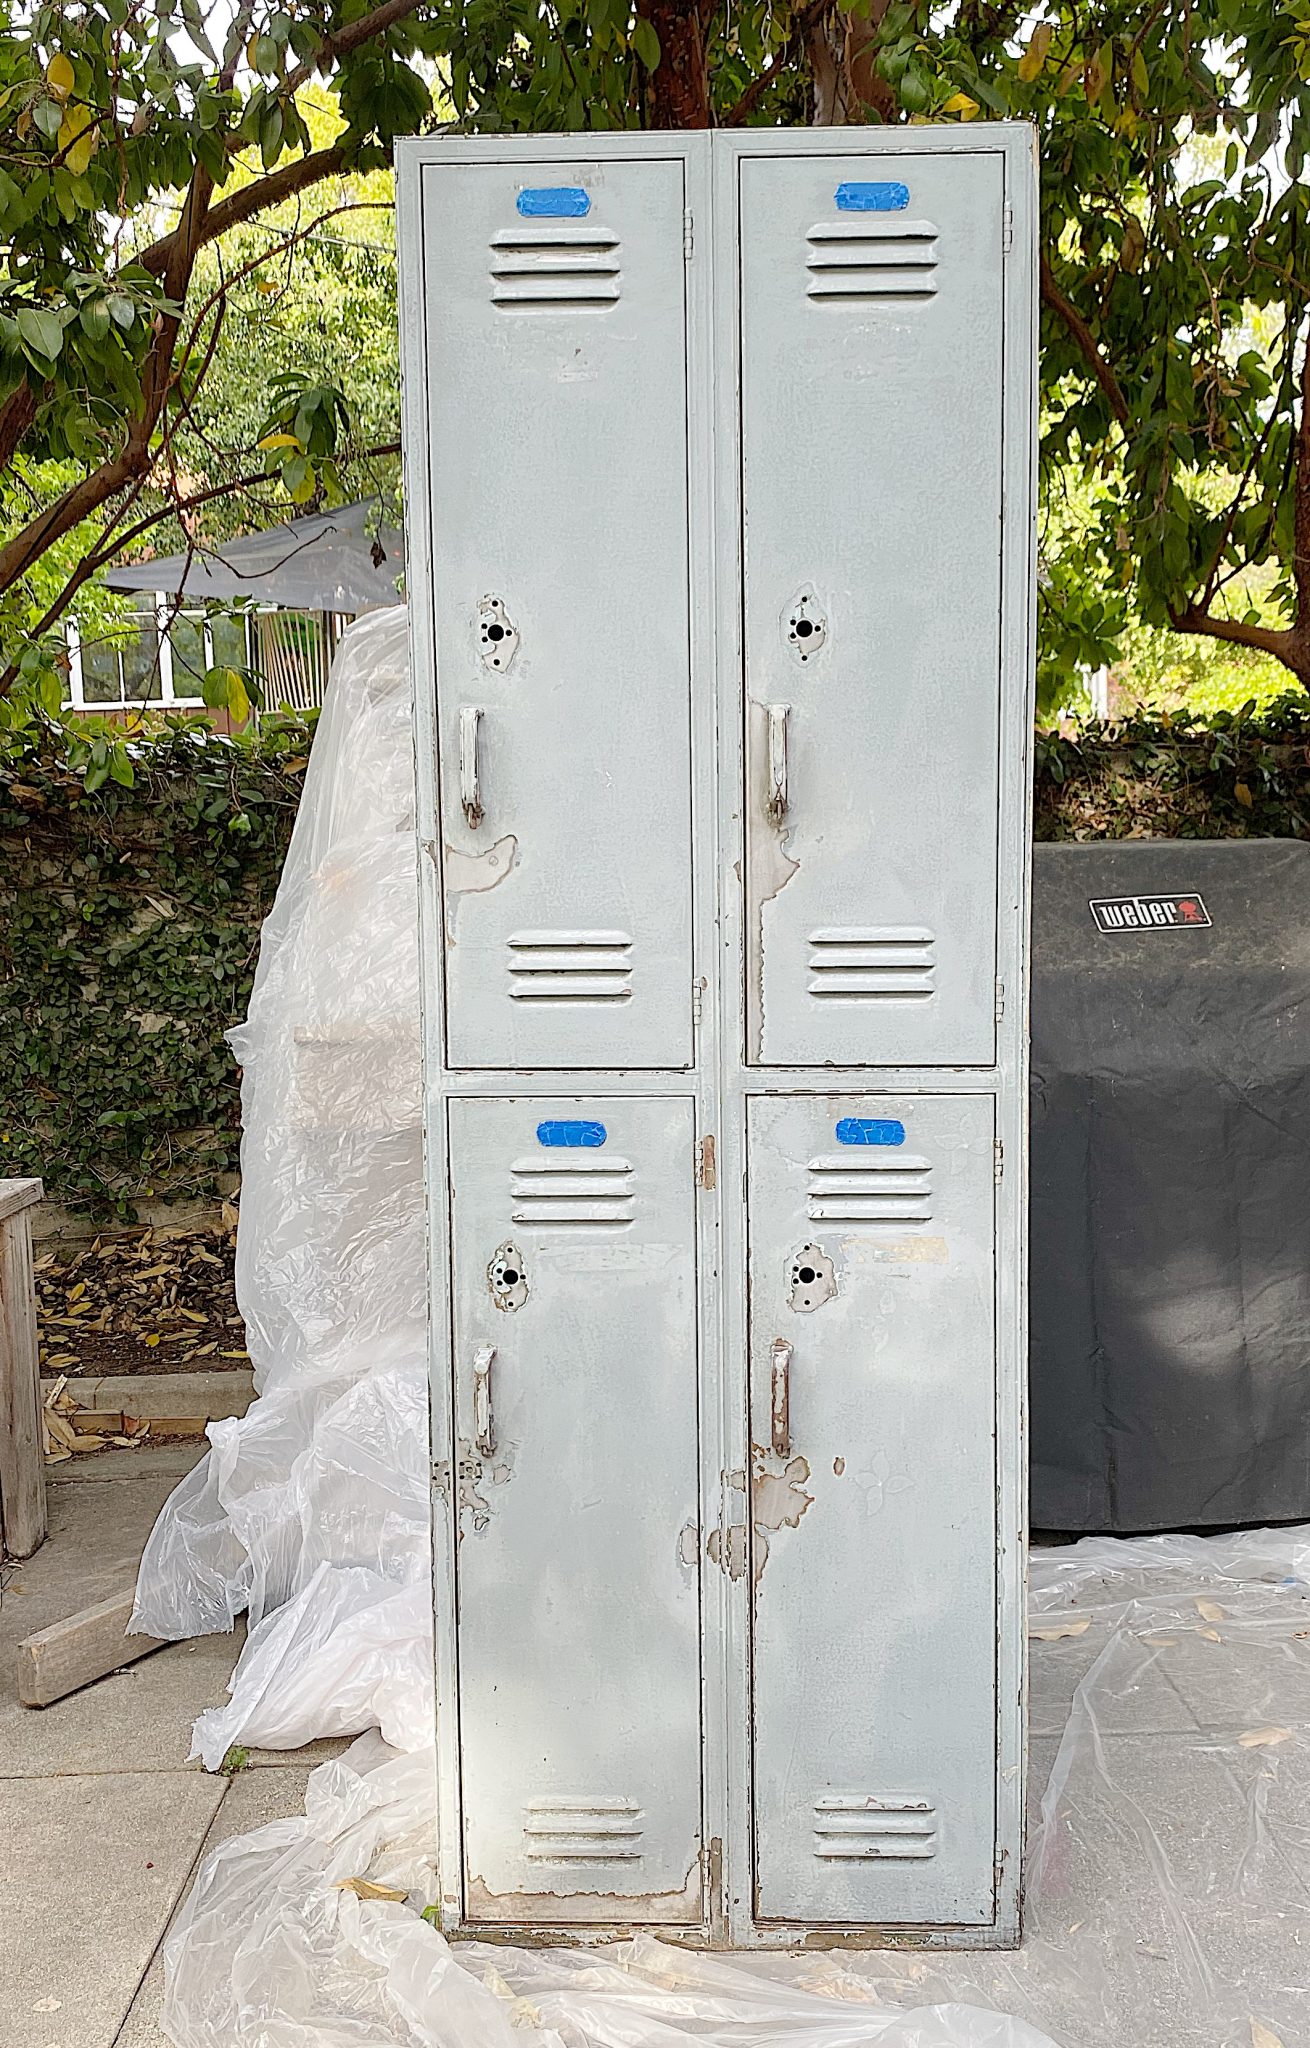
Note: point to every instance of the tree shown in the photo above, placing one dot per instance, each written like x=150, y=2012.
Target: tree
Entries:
x=1175, y=274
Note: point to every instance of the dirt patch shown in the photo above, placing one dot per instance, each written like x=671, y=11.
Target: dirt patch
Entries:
x=140, y=1301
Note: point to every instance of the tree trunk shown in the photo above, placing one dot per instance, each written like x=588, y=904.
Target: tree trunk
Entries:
x=679, y=84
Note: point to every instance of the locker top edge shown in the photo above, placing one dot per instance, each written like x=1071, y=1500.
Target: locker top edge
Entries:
x=1016, y=139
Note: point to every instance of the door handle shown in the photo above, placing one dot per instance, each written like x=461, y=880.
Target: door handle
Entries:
x=780, y=1397
x=484, y=1428
x=776, y=803
x=470, y=793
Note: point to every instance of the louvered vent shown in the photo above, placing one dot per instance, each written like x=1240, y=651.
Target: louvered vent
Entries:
x=872, y=258
x=856, y=1829
x=577, y=1190
x=572, y=1831
x=882, y=964
x=559, y=264
x=870, y=1188
x=571, y=967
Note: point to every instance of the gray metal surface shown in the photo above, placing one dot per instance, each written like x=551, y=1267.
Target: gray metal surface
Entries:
x=877, y=1595
x=873, y=1556
x=577, y=1478
x=550, y=421
x=871, y=484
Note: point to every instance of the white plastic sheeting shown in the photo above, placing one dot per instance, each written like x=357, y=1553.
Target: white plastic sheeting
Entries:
x=1169, y=1872
x=311, y=1511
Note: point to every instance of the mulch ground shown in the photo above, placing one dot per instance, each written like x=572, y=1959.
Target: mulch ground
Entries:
x=140, y=1301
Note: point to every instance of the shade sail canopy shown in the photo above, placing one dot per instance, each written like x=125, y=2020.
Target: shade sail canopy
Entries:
x=321, y=564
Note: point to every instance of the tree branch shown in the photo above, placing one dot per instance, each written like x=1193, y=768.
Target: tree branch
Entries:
x=792, y=47
x=254, y=198
x=1088, y=345
x=334, y=47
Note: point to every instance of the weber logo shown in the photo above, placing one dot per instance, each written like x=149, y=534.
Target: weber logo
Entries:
x=1147, y=913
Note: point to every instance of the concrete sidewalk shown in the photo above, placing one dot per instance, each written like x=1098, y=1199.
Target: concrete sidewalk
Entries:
x=102, y=1820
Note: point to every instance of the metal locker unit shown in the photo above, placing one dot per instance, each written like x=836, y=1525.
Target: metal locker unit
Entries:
x=719, y=509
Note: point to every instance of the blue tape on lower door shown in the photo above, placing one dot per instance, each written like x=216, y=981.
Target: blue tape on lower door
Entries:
x=870, y=1130
x=572, y=1134
x=885, y=198
x=553, y=202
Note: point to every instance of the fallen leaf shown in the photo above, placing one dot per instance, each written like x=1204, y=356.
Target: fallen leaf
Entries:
x=56, y=2004
x=1211, y=1635
x=1052, y=1631
x=1210, y=1610
x=364, y=1888
x=1161, y=1642
x=1261, y=2037
x=1263, y=1738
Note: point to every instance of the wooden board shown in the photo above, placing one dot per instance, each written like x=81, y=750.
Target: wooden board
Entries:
x=22, y=1462
x=85, y=1646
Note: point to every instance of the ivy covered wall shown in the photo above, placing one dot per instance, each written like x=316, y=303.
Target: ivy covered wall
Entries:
x=129, y=928
x=129, y=920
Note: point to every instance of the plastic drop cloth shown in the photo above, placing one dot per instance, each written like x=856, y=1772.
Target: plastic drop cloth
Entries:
x=1169, y=1870
x=310, y=1513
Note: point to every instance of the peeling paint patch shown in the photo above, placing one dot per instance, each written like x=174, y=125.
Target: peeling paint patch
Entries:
x=769, y=867
x=688, y=1543
x=507, y=1282
x=472, y=1502
x=727, y=1549
x=778, y=1499
x=469, y=874
x=902, y=1251
x=838, y=1466
x=811, y=1279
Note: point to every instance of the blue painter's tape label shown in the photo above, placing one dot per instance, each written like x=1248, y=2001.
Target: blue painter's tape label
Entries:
x=886, y=198
x=553, y=202
x=579, y=1134
x=870, y=1130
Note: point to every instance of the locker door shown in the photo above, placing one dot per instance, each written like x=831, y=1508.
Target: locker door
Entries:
x=575, y=1393
x=871, y=317
x=873, y=1509
x=558, y=480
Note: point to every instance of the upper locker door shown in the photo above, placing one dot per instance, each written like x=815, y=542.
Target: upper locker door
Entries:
x=871, y=312
x=557, y=406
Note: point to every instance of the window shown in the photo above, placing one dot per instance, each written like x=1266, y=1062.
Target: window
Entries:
x=164, y=664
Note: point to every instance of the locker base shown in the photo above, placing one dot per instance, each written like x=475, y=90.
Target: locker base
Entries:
x=795, y=1938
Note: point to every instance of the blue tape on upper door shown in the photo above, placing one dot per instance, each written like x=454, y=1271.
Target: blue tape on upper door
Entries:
x=886, y=198
x=553, y=202
x=566, y=1132
x=870, y=1130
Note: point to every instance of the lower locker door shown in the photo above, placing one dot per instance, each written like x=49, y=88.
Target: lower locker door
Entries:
x=578, y=1641
x=873, y=1509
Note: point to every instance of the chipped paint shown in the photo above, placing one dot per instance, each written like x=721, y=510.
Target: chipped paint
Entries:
x=707, y=1172
x=902, y=1251
x=769, y=867
x=726, y=1548
x=688, y=1543
x=507, y=1282
x=778, y=1499
x=681, y=1904
x=472, y=1476
x=470, y=874
x=811, y=1279
x=838, y=1466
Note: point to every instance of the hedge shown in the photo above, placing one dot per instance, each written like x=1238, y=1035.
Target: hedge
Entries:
x=129, y=928
x=130, y=919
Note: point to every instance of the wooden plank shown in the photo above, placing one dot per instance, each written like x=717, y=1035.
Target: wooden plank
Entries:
x=16, y=1195
x=156, y=1395
x=22, y=1459
x=80, y=1649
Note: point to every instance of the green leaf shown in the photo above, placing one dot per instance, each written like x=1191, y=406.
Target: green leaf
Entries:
x=646, y=43
x=42, y=331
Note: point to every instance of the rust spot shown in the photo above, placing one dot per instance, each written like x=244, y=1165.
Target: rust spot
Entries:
x=707, y=1172
x=769, y=867
x=683, y=1904
x=778, y=1499
x=839, y=1466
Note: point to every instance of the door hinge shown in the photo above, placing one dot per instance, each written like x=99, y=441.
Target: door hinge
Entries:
x=998, y=1157
x=688, y=233
x=1000, y=1000
x=706, y=1168
x=1007, y=229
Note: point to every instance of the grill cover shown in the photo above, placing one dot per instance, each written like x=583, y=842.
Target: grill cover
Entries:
x=1170, y=1242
